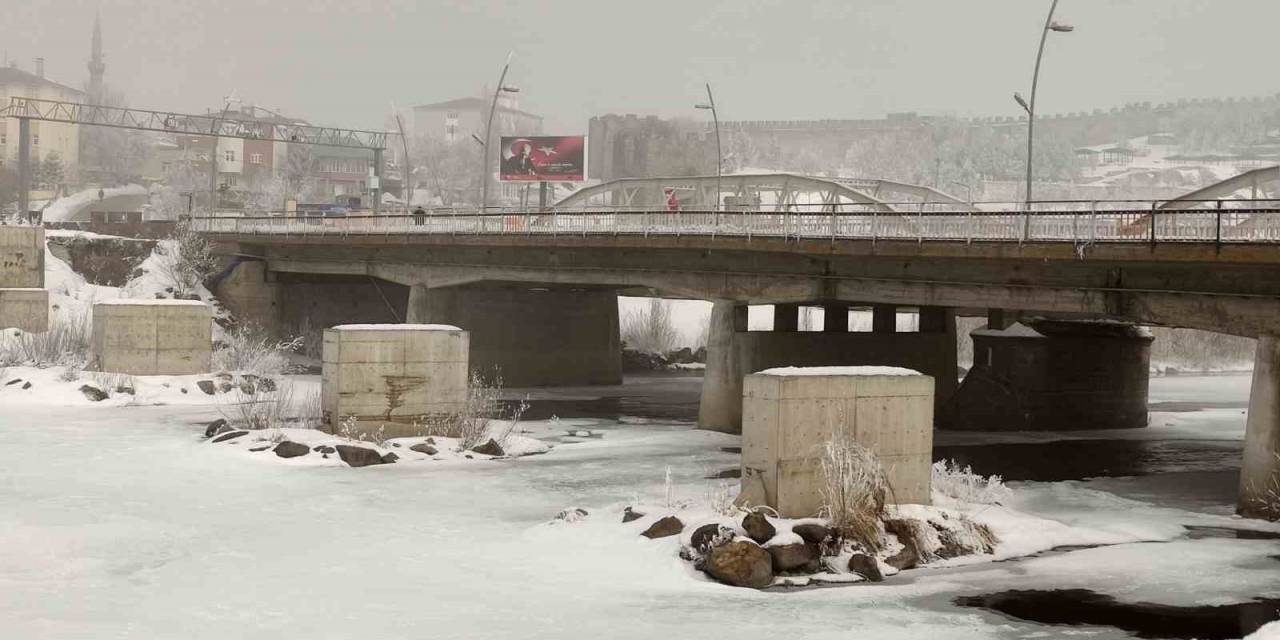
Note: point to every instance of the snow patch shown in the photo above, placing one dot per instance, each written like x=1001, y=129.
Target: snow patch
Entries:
x=839, y=371
x=397, y=327
x=1015, y=330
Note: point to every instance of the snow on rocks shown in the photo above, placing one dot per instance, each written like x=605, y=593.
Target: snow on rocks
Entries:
x=69, y=386
x=311, y=447
x=807, y=551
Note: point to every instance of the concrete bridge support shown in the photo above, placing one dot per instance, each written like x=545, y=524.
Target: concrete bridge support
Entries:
x=532, y=336
x=1054, y=376
x=734, y=353
x=1260, y=474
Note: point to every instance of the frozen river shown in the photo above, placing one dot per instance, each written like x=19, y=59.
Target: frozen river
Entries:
x=121, y=523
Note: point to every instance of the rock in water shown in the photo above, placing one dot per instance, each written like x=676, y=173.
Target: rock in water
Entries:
x=490, y=448
x=865, y=566
x=703, y=536
x=93, y=393
x=903, y=560
x=358, y=456
x=289, y=449
x=323, y=448
x=206, y=386
x=668, y=526
x=792, y=557
x=389, y=458
x=812, y=533
x=742, y=564
x=230, y=435
x=424, y=448
x=215, y=427
x=758, y=528
x=628, y=515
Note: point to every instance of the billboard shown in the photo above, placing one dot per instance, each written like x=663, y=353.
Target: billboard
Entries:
x=544, y=158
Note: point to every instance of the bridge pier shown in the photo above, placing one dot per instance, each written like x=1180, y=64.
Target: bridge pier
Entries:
x=532, y=335
x=1260, y=473
x=1054, y=376
x=734, y=353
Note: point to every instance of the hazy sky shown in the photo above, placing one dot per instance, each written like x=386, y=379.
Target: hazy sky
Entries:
x=344, y=62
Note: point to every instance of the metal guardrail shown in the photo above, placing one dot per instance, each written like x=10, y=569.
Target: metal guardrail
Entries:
x=1237, y=221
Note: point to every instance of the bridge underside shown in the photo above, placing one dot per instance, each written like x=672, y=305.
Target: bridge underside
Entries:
x=1231, y=289
x=1228, y=288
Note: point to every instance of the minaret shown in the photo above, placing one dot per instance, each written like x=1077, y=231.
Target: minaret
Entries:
x=96, y=65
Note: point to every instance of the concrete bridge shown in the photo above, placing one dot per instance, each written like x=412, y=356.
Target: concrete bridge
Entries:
x=537, y=288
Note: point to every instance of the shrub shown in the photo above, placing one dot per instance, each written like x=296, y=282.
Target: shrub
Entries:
x=249, y=348
x=186, y=260
x=650, y=330
x=66, y=343
x=260, y=409
x=962, y=484
x=854, y=490
x=471, y=425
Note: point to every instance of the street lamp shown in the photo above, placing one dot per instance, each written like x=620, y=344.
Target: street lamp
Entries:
x=488, y=134
x=711, y=105
x=1030, y=107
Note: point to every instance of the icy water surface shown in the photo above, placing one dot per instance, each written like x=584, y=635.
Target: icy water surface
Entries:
x=122, y=523
x=1077, y=607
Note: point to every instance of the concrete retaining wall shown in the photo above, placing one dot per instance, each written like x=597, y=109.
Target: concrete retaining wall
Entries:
x=393, y=375
x=787, y=418
x=26, y=309
x=152, y=337
x=21, y=257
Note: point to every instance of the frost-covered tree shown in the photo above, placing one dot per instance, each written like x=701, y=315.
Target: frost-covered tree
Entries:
x=447, y=170
x=113, y=155
x=50, y=173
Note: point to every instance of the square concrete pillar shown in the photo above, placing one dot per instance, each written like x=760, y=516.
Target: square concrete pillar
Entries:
x=999, y=320
x=741, y=318
x=884, y=318
x=786, y=317
x=152, y=337
x=788, y=414
x=21, y=256
x=393, y=375
x=26, y=309
x=835, y=317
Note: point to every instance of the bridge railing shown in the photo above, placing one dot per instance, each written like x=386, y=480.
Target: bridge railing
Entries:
x=1256, y=221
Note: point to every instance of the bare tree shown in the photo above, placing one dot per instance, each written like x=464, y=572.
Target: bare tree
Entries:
x=449, y=169
x=650, y=330
x=113, y=155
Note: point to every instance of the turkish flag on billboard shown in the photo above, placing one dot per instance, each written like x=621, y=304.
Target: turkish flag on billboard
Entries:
x=544, y=158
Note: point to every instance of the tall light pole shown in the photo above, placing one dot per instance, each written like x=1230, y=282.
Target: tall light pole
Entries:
x=488, y=134
x=715, y=117
x=1030, y=107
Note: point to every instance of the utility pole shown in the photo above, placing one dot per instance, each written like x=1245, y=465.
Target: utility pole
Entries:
x=24, y=167
x=715, y=117
x=488, y=134
x=1030, y=107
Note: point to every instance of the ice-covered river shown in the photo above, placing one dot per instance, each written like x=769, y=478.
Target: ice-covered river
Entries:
x=121, y=523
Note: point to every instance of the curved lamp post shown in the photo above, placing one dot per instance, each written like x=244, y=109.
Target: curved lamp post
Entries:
x=1030, y=107
x=711, y=105
x=488, y=134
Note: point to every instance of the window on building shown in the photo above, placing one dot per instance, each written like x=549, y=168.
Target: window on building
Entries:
x=35, y=139
x=4, y=138
x=255, y=158
x=229, y=155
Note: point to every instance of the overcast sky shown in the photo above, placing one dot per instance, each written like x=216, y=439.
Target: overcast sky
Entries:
x=344, y=62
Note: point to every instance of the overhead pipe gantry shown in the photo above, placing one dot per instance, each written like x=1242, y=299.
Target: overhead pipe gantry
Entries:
x=213, y=125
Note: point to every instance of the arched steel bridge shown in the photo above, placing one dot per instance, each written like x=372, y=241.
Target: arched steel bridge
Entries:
x=765, y=192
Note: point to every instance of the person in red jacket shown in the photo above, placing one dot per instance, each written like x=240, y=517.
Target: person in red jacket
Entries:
x=673, y=203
